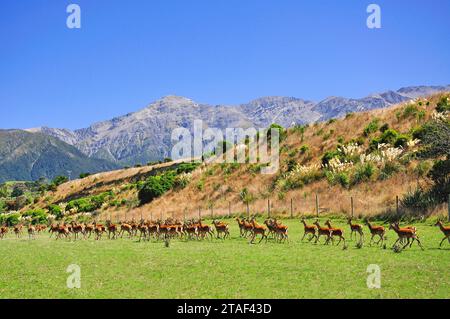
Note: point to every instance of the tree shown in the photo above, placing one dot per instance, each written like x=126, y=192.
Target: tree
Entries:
x=435, y=137
x=17, y=192
x=58, y=180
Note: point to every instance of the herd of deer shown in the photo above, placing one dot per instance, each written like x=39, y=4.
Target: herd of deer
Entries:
x=196, y=229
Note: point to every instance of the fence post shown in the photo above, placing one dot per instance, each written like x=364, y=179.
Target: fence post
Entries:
x=184, y=214
x=396, y=204
x=292, y=209
x=248, y=210
x=448, y=203
x=199, y=214
x=212, y=212
x=268, y=208
x=317, y=205
x=229, y=209
x=351, y=199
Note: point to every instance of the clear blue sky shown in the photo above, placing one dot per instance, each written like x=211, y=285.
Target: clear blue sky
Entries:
x=130, y=53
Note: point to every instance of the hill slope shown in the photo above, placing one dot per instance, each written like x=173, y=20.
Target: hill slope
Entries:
x=30, y=156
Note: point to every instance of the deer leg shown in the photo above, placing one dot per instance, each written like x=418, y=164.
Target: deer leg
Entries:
x=398, y=239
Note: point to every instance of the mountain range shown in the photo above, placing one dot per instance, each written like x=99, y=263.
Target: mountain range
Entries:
x=145, y=135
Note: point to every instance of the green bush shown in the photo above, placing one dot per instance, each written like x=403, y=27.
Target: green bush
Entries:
x=372, y=127
x=156, y=186
x=38, y=216
x=389, y=169
x=55, y=210
x=443, y=105
x=384, y=127
x=84, y=175
x=363, y=173
x=12, y=219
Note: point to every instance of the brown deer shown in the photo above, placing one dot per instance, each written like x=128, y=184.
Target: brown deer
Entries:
x=405, y=233
x=445, y=230
x=3, y=231
x=376, y=231
x=204, y=230
x=76, y=229
x=88, y=230
x=63, y=230
x=356, y=229
x=18, y=230
x=112, y=229
x=257, y=230
x=124, y=227
x=243, y=227
x=281, y=231
x=309, y=229
x=221, y=228
x=143, y=230
x=322, y=231
x=99, y=229
x=31, y=232
x=336, y=232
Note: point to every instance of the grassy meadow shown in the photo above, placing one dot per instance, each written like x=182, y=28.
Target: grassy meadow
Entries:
x=126, y=268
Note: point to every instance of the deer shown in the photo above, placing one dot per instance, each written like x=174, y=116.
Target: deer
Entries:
x=405, y=233
x=124, y=227
x=88, y=230
x=322, y=231
x=281, y=231
x=204, y=230
x=355, y=228
x=31, y=231
x=99, y=229
x=309, y=229
x=271, y=227
x=242, y=227
x=143, y=230
x=18, y=230
x=112, y=229
x=257, y=230
x=336, y=232
x=221, y=228
x=376, y=231
x=76, y=229
x=445, y=230
x=63, y=230
x=3, y=231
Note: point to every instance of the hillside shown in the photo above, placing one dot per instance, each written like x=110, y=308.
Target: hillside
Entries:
x=145, y=135
x=370, y=156
x=29, y=156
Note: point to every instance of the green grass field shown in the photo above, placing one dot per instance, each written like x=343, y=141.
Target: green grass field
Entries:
x=232, y=268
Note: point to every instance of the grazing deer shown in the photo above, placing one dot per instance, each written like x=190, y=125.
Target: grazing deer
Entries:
x=31, y=232
x=336, y=232
x=221, y=228
x=445, y=230
x=405, y=233
x=257, y=230
x=322, y=231
x=309, y=229
x=356, y=228
x=376, y=231
x=271, y=228
x=190, y=230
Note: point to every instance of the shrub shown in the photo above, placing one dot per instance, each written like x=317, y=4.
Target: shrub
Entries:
x=363, y=173
x=58, y=180
x=55, y=210
x=389, y=169
x=343, y=179
x=330, y=155
x=12, y=219
x=38, y=216
x=372, y=127
x=443, y=105
x=155, y=186
x=304, y=149
x=384, y=127
x=84, y=175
